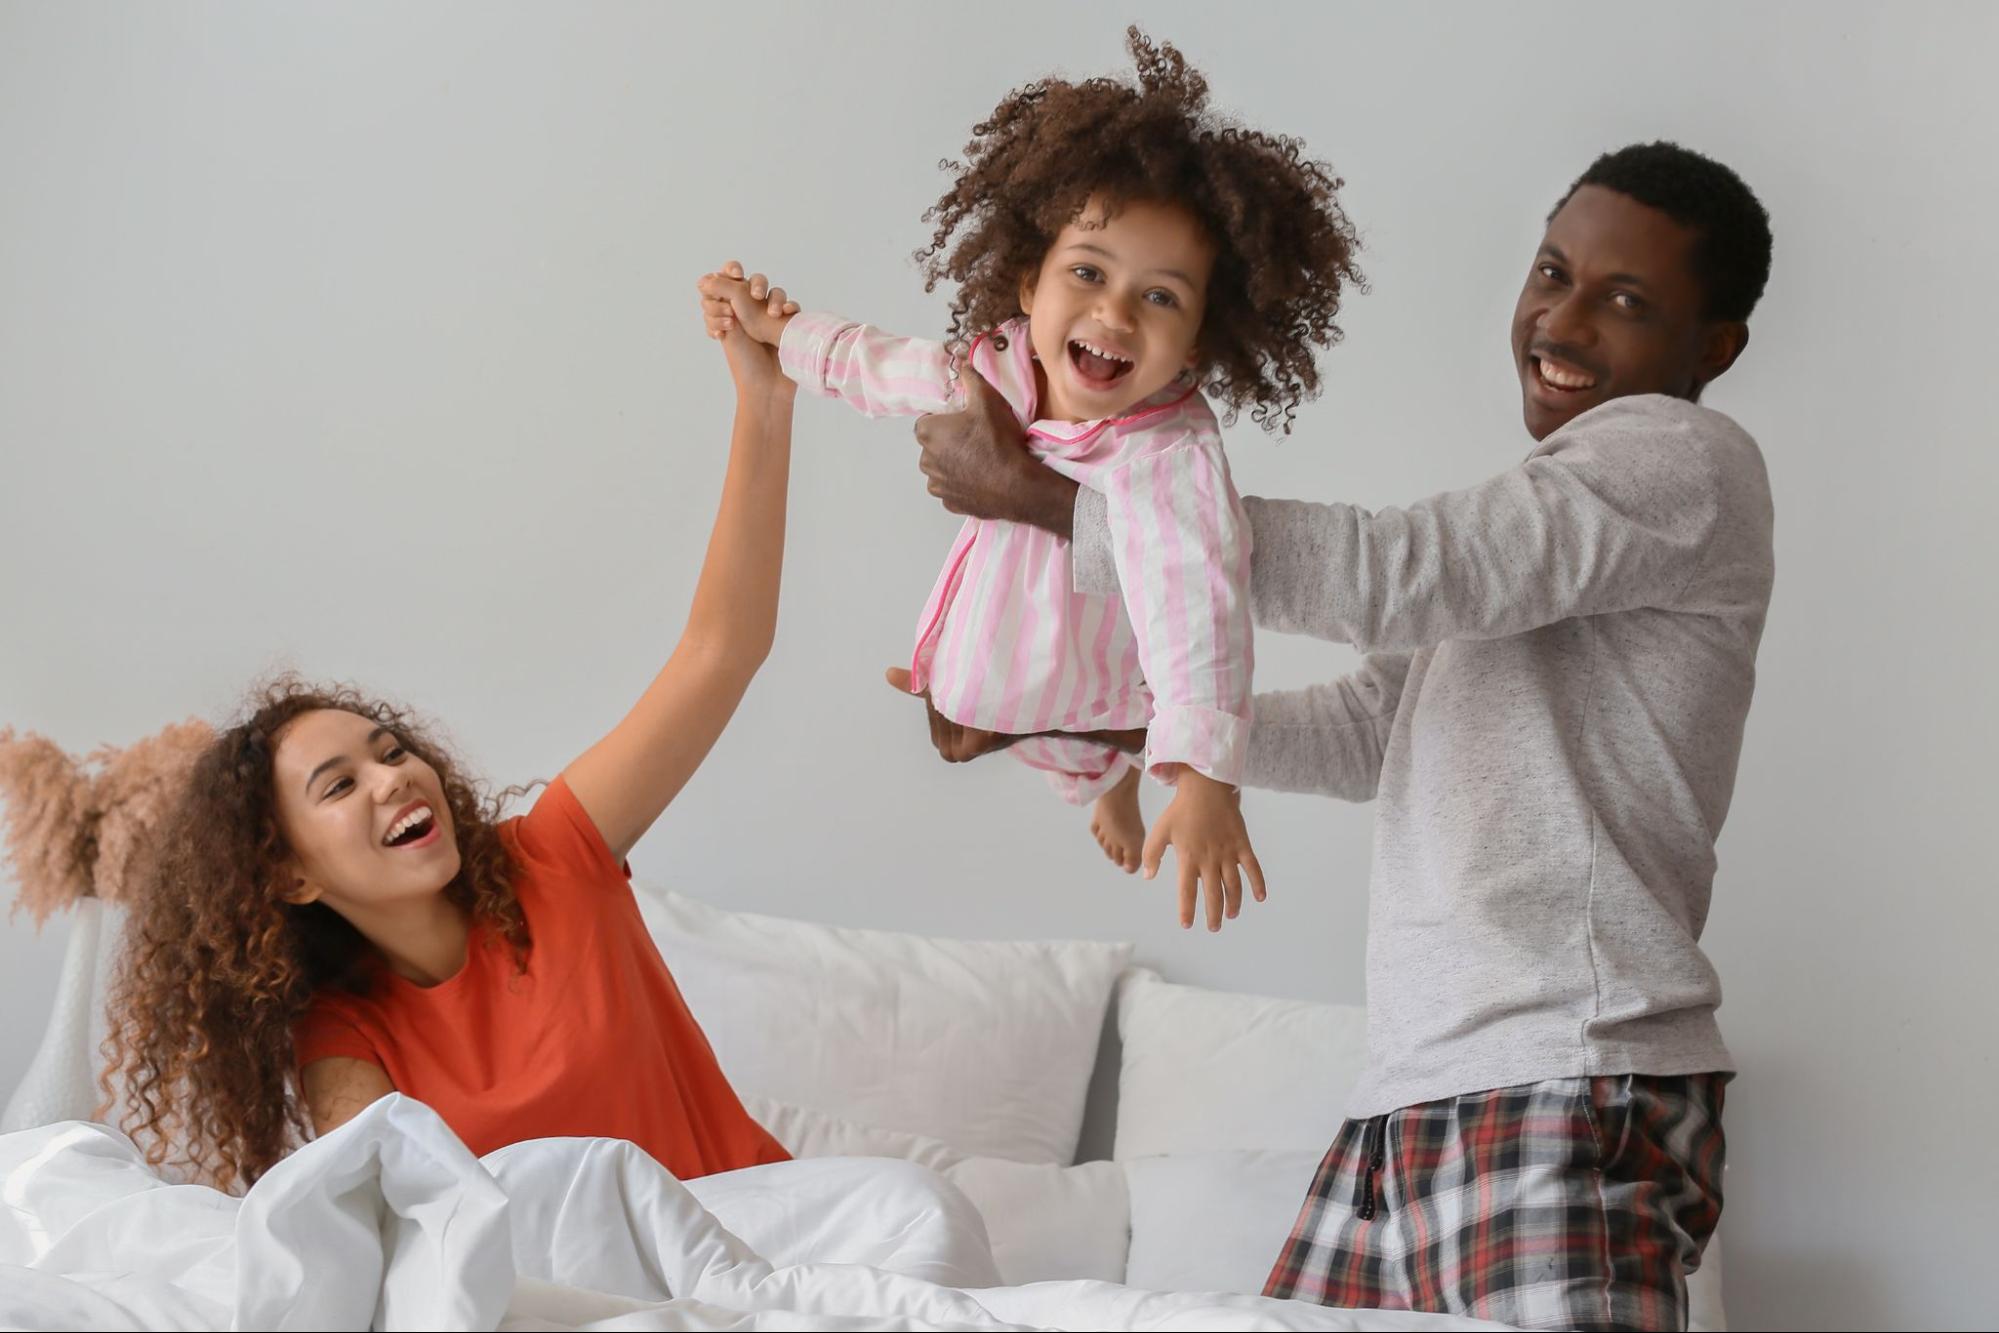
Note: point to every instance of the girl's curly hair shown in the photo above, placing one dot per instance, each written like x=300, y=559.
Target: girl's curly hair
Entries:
x=1284, y=248
x=217, y=966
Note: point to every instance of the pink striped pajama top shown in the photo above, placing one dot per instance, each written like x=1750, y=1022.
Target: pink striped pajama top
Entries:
x=1005, y=643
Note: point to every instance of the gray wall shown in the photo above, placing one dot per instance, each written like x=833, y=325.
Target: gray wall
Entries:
x=362, y=339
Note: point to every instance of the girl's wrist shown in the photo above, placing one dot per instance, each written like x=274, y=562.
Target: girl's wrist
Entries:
x=1196, y=785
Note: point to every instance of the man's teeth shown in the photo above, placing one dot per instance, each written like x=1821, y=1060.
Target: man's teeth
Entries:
x=407, y=822
x=1564, y=379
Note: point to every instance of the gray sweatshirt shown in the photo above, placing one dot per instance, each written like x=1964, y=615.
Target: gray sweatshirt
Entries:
x=1558, y=664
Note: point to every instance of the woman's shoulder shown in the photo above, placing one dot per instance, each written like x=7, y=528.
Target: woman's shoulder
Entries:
x=338, y=1022
x=557, y=841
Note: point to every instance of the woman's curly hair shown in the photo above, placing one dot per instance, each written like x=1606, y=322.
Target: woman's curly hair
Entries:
x=1284, y=248
x=217, y=966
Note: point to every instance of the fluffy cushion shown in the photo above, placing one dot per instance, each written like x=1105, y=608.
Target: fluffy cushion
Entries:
x=1213, y=1221
x=984, y=1045
x=1047, y=1223
x=1206, y=1069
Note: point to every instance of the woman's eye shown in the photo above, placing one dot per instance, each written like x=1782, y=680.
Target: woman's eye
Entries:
x=1084, y=272
x=337, y=786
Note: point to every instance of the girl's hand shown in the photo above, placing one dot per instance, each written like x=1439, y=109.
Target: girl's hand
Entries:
x=729, y=300
x=1204, y=827
x=752, y=362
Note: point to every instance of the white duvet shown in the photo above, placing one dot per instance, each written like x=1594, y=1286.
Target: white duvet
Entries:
x=391, y=1223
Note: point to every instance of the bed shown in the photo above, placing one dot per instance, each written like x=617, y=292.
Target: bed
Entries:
x=934, y=1093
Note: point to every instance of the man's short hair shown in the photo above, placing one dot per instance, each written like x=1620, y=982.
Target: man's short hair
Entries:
x=1732, y=254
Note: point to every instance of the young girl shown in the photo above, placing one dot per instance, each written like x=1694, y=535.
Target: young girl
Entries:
x=1121, y=249
x=337, y=908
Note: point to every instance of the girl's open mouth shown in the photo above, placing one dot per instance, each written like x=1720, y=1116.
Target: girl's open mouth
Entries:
x=1097, y=366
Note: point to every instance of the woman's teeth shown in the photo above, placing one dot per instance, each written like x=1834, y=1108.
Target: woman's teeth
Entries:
x=415, y=818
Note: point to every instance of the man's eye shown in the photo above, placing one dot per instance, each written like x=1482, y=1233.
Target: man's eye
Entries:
x=1550, y=272
x=1627, y=301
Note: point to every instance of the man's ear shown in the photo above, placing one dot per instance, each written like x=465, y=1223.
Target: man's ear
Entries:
x=1721, y=343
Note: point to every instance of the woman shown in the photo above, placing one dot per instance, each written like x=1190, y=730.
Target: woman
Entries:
x=338, y=912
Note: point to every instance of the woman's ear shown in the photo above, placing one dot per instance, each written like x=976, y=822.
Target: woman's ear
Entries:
x=298, y=890
x=1027, y=282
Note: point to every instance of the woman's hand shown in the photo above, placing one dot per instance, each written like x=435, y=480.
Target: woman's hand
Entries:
x=739, y=312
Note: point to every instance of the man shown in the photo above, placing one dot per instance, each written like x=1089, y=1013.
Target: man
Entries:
x=1557, y=668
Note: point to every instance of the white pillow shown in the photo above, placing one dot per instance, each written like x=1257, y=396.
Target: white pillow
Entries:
x=1213, y=1221
x=1047, y=1223
x=61, y=1080
x=806, y=1132
x=1050, y=1223
x=1206, y=1069
x=986, y=1045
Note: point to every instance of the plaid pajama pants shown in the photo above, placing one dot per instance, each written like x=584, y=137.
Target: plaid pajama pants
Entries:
x=1576, y=1203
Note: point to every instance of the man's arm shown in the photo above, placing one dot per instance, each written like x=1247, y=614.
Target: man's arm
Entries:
x=1328, y=739
x=1620, y=514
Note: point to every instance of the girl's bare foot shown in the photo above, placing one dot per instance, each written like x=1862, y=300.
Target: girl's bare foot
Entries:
x=1119, y=826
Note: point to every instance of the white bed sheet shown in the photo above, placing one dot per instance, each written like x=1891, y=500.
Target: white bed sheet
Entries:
x=391, y=1223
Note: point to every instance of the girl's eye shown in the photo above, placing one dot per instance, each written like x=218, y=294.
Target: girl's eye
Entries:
x=1161, y=297
x=336, y=787
x=395, y=755
x=1084, y=272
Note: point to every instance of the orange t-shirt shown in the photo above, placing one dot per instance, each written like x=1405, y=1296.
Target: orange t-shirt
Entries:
x=593, y=1040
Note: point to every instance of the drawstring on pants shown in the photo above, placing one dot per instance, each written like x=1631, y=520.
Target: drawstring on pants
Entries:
x=1374, y=1147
